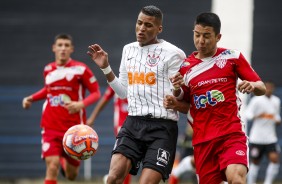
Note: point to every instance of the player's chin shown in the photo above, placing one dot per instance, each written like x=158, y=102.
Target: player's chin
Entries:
x=141, y=40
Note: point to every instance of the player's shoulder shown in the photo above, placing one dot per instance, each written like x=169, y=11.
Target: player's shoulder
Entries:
x=50, y=66
x=172, y=48
x=132, y=44
x=276, y=98
x=228, y=53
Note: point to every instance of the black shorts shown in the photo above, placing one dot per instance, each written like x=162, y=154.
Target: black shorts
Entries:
x=149, y=141
x=258, y=150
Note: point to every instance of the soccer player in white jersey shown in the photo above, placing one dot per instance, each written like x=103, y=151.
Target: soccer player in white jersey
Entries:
x=210, y=86
x=149, y=134
x=66, y=82
x=264, y=111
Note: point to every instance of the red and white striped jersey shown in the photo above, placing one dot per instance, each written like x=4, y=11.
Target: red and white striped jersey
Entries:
x=210, y=87
x=145, y=72
x=62, y=84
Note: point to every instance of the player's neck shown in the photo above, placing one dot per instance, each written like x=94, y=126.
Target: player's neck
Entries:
x=61, y=62
x=207, y=55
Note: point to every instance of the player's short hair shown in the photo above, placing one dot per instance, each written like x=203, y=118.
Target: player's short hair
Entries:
x=209, y=19
x=63, y=36
x=153, y=11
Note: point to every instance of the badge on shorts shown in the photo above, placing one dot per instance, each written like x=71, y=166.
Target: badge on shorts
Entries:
x=162, y=157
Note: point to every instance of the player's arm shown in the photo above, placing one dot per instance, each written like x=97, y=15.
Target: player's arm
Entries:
x=39, y=95
x=109, y=93
x=251, y=82
x=257, y=88
x=94, y=94
x=100, y=57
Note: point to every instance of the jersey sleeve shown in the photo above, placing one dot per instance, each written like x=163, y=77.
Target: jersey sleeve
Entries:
x=277, y=115
x=245, y=71
x=120, y=84
x=91, y=83
x=39, y=95
x=109, y=93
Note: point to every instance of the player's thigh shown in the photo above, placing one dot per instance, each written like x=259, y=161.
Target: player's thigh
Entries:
x=273, y=152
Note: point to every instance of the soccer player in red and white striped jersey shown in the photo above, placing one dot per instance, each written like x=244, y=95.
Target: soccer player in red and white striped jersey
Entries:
x=210, y=77
x=150, y=131
x=66, y=81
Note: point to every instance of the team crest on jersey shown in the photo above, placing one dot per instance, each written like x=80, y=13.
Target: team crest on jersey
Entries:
x=69, y=77
x=220, y=62
x=184, y=64
x=152, y=59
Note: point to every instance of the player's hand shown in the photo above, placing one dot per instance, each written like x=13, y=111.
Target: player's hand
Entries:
x=74, y=107
x=169, y=102
x=26, y=103
x=246, y=87
x=98, y=55
x=177, y=80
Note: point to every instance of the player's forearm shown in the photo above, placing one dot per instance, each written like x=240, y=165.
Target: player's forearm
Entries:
x=92, y=98
x=259, y=88
x=182, y=106
x=39, y=95
x=119, y=88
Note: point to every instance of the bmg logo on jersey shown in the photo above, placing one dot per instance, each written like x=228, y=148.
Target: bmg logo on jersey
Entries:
x=61, y=99
x=148, y=78
x=211, y=97
x=162, y=157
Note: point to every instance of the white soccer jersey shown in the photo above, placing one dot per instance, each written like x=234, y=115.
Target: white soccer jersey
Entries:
x=144, y=77
x=263, y=128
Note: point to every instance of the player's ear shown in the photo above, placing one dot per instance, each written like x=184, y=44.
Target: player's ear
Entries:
x=160, y=28
x=218, y=37
x=53, y=47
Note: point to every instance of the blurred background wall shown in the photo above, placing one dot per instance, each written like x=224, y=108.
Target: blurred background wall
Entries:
x=27, y=30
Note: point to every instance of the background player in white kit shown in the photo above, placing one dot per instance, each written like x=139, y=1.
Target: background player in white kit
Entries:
x=264, y=111
x=149, y=134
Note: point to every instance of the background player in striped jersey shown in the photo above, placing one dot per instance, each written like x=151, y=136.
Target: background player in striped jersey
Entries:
x=149, y=134
x=120, y=114
x=264, y=111
x=66, y=81
x=210, y=76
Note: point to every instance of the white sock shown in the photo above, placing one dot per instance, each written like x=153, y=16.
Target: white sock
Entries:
x=271, y=172
x=185, y=165
x=252, y=174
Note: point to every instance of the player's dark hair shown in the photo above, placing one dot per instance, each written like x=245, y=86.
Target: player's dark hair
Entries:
x=153, y=11
x=209, y=19
x=63, y=36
